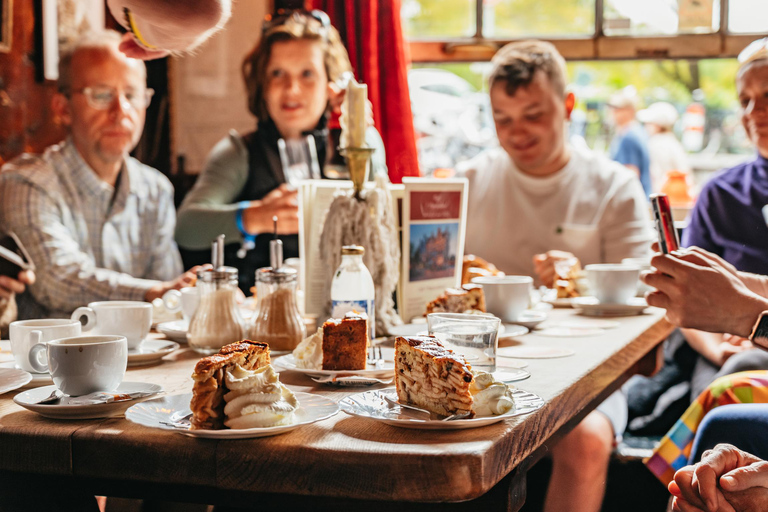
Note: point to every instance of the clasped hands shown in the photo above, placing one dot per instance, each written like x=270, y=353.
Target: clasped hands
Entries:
x=726, y=480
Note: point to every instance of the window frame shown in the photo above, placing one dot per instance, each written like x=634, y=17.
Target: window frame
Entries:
x=598, y=46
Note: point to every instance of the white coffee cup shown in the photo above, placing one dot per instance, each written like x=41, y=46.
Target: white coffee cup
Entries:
x=185, y=300
x=643, y=264
x=84, y=364
x=506, y=296
x=613, y=283
x=26, y=333
x=131, y=319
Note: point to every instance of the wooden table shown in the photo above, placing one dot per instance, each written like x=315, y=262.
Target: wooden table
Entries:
x=341, y=458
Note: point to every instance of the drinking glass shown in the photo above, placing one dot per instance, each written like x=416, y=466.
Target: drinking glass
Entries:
x=299, y=159
x=473, y=336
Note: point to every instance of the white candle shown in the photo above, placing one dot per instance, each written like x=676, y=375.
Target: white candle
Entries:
x=353, y=118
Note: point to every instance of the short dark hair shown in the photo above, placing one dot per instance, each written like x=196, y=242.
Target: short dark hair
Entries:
x=515, y=65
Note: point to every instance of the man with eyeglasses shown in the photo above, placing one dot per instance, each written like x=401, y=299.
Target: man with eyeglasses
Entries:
x=97, y=223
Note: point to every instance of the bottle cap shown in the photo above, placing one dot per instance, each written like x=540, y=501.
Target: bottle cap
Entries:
x=276, y=275
x=352, y=249
x=221, y=274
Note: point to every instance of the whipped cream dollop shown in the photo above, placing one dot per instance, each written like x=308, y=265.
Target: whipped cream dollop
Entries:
x=257, y=399
x=309, y=353
x=491, y=396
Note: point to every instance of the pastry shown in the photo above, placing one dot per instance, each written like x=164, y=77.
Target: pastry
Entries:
x=345, y=342
x=207, y=403
x=459, y=300
x=567, y=274
x=430, y=376
x=475, y=266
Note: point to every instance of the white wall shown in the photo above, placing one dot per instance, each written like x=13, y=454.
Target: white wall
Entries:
x=207, y=91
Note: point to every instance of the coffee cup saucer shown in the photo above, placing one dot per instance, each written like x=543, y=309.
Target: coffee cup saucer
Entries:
x=591, y=306
x=38, y=379
x=64, y=410
x=530, y=319
x=151, y=351
x=175, y=330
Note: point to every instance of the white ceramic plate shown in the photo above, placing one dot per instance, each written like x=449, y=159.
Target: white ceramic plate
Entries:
x=150, y=352
x=165, y=411
x=13, y=378
x=288, y=362
x=38, y=379
x=174, y=331
x=371, y=404
x=510, y=374
x=511, y=331
x=530, y=319
x=559, y=302
x=65, y=411
x=590, y=306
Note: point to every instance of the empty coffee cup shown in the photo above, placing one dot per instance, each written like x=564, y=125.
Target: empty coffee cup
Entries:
x=185, y=300
x=643, y=264
x=506, y=296
x=131, y=319
x=84, y=364
x=26, y=333
x=612, y=283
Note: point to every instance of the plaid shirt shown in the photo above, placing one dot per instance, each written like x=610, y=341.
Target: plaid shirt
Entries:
x=88, y=240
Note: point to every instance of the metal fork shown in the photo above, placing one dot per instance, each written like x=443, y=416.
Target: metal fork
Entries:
x=374, y=356
x=182, y=422
x=458, y=416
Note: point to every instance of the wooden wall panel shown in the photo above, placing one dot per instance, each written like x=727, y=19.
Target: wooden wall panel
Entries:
x=26, y=120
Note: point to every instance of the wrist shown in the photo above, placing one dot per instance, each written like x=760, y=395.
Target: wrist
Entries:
x=156, y=292
x=748, y=317
x=251, y=219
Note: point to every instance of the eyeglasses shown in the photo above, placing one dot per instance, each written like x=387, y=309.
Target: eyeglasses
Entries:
x=103, y=97
x=755, y=50
x=283, y=15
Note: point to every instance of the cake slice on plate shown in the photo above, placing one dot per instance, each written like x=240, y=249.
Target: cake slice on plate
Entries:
x=432, y=377
x=459, y=300
x=207, y=403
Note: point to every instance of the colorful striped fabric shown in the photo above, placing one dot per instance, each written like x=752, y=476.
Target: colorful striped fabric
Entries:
x=673, y=451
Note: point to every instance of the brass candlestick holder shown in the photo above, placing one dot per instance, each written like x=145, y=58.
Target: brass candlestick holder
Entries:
x=358, y=163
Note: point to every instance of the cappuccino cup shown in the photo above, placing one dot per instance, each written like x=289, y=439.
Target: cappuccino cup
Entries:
x=185, y=300
x=26, y=333
x=131, y=319
x=84, y=364
x=506, y=297
x=613, y=283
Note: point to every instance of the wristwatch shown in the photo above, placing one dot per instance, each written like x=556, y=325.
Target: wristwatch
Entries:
x=759, y=334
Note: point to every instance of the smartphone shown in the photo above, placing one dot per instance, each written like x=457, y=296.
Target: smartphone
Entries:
x=665, y=224
x=13, y=256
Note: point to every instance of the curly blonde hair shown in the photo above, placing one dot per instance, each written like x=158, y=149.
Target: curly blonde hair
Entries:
x=298, y=26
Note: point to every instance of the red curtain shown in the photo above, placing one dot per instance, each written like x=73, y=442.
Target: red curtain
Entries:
x=373, y=34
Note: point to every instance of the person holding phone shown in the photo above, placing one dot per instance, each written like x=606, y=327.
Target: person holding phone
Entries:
x=292, y=77
x=97, y=224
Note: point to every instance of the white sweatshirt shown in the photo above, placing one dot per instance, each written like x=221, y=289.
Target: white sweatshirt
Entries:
x=592, y=207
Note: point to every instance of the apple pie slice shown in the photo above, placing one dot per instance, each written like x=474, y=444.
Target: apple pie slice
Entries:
x=432, y=377
x=208, y=391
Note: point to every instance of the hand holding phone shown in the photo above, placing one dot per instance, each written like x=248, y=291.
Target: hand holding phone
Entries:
x=13, y=256
x=665, y=224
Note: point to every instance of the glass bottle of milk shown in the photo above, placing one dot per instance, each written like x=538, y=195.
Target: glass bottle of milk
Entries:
x=352, y=287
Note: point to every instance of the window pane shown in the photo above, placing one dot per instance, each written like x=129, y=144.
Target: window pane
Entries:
x=431, y=19
x=451, y=109
x=529, y=18
x=660, y=17
x=748, y=16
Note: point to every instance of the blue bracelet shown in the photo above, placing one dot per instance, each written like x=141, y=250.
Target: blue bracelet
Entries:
x=241, y=206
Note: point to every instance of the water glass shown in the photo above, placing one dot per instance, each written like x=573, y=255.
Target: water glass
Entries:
x=299, y=159
x=476, y=337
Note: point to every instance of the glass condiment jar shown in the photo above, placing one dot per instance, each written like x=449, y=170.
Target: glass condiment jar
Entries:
x=217, y=319
x=277, y=320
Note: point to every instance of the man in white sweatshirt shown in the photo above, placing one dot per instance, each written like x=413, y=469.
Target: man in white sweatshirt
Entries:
x=536, y=200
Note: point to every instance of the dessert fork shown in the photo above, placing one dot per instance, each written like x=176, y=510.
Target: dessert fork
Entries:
x=393, y=403
x=374, y=356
